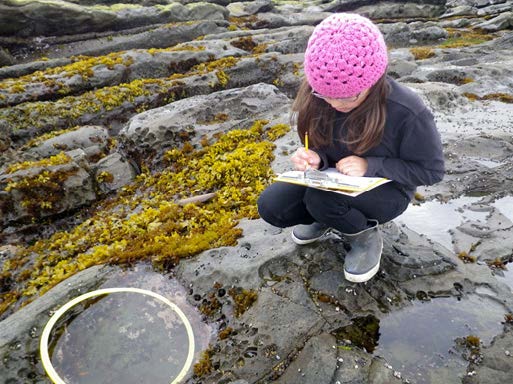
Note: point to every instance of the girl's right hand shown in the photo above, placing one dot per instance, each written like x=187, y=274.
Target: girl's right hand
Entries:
x=303, y=159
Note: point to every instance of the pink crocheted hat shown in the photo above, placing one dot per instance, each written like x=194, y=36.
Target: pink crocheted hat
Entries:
x=346, y=54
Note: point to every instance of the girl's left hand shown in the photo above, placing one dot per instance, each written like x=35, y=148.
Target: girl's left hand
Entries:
x=352, y=166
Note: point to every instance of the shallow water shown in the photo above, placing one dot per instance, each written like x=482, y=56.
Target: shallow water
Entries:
x=434, y=219
x=419, y=340
x=126, y=337
x=506, y=276
x=505, y=205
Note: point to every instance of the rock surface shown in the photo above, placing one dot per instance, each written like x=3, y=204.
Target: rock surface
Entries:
x=187, y=73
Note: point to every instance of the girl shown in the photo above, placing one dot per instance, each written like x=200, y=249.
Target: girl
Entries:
x=362, y=123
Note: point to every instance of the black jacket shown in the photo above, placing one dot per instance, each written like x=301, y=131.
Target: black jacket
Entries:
x=410, y=152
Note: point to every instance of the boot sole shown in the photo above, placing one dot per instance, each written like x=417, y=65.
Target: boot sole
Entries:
x=361, y=278
x=308, y=241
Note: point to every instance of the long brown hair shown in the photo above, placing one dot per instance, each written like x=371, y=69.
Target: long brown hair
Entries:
x=365, y=124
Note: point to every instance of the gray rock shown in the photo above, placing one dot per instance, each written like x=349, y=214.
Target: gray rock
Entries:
x=384, y=10
x=5, y=58
x=44, y=191
x=497, y=360
x=411, y=256
x=360, y=368
x=58, y=18
x=18, y=70
x=161, y=37
x=316, y=363
x=20, y=332
x=160, y=128
x=462, y=10
x=495, y=9
x=82, y=138
x=499, y=23
x=248, y=8
x=113, y=172
x=401, y=68
x=456, y=23
x=37, y=17
x=234, y=266
x=275, y=20
x=272, y=315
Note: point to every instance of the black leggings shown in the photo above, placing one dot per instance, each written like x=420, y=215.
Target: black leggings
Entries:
x=285, y=205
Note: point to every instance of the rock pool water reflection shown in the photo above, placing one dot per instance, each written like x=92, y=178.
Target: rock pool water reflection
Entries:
x=419, y=340
x=435, y=219
x=126, y=337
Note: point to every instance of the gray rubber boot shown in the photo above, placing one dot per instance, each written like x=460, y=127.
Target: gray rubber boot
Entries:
x=308, y=233
x=362, y=260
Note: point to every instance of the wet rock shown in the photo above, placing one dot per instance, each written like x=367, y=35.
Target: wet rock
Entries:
x=316, y=363
x=496, y=362
x=411, y=256
x=359, y=367
x=24, y=327
x=273, y=316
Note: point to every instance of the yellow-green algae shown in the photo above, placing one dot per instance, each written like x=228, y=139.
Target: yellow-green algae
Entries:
x=81, y=65
x=114, y=7
x=37, y=141
x=144, y=222
x=58, y=159
x=421, y=53
x=458, y=38
x=242, y=299
x=467, y=37
x=44, y=187
x=72, y=108
x=204, y=366
x=502, y=97
x=105, y=177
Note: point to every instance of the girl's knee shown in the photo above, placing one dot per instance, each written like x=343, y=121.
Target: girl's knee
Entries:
x=321, y=203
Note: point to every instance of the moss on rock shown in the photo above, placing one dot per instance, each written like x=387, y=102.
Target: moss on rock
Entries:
x=145, y=222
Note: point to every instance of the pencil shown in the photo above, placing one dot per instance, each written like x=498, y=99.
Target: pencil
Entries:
x=306, y=141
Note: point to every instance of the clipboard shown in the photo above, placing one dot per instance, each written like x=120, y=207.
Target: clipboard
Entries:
x=332, y=180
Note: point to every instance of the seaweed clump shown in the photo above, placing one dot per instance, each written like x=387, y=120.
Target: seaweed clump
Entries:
x=243, y=299
x=41, y=187
x=145, y=221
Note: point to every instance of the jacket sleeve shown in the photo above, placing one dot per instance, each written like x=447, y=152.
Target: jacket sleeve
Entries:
x=420, y=160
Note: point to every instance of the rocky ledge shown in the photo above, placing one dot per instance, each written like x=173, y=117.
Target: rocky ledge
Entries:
x=141, y=134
